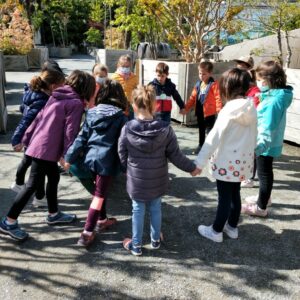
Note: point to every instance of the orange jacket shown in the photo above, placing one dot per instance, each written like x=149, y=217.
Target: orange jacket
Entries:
x=212, y=104
x=128, y=85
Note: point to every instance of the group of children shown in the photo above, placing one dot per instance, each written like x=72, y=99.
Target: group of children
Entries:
x=127, y=129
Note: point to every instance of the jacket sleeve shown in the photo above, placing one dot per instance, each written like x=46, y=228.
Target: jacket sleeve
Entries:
x=177, y=98
x=216, y=92
x=72, y=124
x=30, y=130
x=212, y=140
x=272, y=117
x=192, y=100
x=122, y=149
x=175, y=155
x=25, y=122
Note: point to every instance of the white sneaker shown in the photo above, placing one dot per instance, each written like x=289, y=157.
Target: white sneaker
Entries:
x=209, y=233
x=249, y=183
x=16, y=188
x=253, y=200
x=232, y=232
x=39, y=202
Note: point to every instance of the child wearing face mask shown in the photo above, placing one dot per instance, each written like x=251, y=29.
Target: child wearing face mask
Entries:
x=127, y=79
x=275, y=98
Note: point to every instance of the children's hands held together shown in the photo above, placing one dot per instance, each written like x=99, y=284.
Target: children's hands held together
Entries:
x=196, y=172
x=64, y=164
x=18, y=148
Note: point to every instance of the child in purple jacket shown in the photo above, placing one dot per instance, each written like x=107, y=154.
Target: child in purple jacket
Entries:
x=145, y=146
x=47, y=140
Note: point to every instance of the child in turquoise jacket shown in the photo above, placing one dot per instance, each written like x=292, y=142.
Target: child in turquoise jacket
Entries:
x=275, y=98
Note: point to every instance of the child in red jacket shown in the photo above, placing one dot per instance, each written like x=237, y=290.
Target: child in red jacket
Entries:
x=206, y=100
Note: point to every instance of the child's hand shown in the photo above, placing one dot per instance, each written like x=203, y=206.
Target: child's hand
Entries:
x=18, y=148
x=66, y=166
x=196, y=172
x=183, y=111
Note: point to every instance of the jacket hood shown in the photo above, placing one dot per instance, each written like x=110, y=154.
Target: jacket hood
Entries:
x=283, y=96
x=241, y=111
x=147, y=136
x=167, y=82
x=31, y=96
x=64, y=93
x=103, y=116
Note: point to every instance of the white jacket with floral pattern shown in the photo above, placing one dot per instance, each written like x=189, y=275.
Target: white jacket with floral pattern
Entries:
x=230, y=144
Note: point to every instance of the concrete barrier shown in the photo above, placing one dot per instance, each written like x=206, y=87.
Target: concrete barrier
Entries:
x=3, y=109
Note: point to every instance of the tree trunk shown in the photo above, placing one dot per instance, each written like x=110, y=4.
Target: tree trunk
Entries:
x=289, y=50
x=127, y=39
x=280, y=46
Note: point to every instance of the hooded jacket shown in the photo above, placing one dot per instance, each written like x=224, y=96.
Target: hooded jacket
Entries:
x=164, y=94
x=32, y=103
x=271, y=115
x=144, y=150
x=230, y=144
x=98, y=140
x=54, y=129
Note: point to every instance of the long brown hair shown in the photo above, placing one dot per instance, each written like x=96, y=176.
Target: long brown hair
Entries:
x=46, y=79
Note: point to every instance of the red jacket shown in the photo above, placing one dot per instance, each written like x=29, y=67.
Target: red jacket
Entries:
x=253, y=93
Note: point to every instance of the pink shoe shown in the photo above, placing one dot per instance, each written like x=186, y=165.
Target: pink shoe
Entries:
x=253, y=200
x=254, y=210
x=105, y=224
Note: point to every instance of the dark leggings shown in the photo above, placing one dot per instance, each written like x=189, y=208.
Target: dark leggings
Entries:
x=102, y=185
x=229, y=206
x=21, y=172
x=205, y=125
x=266, y=178
x=39, y=169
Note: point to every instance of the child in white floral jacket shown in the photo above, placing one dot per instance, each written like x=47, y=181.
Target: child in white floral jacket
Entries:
x=230, y=146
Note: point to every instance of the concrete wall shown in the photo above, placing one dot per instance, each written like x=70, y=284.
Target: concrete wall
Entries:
x=292, y=131
x=269, y=49
x=184, y=76
x=3, y=110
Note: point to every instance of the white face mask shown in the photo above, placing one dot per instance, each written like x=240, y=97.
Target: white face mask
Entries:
x=124, y=70
x=261, y=85
x=101, y=80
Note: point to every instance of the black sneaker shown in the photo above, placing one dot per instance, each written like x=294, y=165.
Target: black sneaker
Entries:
x=60, y=218
x=155, y=244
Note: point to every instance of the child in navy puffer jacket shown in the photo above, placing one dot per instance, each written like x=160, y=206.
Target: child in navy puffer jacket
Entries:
x=98, y=143
x=36, y=95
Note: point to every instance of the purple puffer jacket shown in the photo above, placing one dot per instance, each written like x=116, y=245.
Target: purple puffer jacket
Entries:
x=56, y=126
x=144, y=150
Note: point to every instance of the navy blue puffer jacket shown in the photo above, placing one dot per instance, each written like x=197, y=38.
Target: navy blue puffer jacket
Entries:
x=32, y=103
x=98, y=140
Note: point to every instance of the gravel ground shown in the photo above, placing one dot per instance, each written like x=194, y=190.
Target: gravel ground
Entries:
x=262, y=264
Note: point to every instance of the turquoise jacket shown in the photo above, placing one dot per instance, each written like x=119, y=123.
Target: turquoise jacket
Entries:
x=271, y=120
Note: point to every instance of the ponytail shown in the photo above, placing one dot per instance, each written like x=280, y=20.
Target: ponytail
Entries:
x=37, y=84
x=46, y=79
x=144, y=98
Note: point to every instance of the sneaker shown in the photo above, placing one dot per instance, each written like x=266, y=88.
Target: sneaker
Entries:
x=16, y=187
x=155, y=244
x=249, y=183
x=232, y=232
x=104, y=225
x=86, y=240
x=197, y=150
x=60, y=218
x=209, y=233
x=253, y=200
x=13, y=230
x=254, y=210
x=39, y=202
x=135, y=250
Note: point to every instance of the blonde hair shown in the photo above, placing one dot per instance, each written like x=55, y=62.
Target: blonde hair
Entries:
x=98, y=68
x=144, y=97
x=123, y=59
x=46, y=79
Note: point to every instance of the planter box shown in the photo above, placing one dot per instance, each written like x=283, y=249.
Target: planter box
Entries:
x=60, y=52
x=3, y=109
x=16, y=63
x=292, y=130
x=110, y=57
x=184, y=75
x=37, y=57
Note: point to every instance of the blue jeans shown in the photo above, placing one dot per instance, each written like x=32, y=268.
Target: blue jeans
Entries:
x=138, y=214
x=164, y=116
